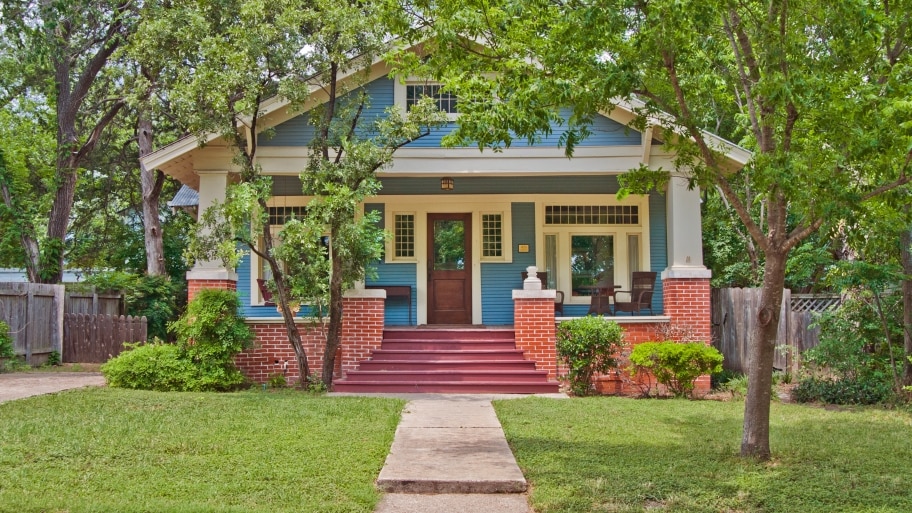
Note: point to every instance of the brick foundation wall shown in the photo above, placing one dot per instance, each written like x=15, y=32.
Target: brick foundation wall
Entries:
x=362, y=331
x=533, y=323
x=686, y=302
x=271, y=352
x=194, y=286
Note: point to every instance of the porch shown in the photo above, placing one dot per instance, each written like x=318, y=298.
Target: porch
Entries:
x=533, y=335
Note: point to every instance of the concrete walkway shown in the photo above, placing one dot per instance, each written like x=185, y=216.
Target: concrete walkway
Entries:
x=450, y=455
x=18, y=385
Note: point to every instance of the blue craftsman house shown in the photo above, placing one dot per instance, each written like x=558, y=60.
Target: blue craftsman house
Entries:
x=465, y=224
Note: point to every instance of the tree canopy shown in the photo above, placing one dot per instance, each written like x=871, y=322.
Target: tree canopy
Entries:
x=818, y=91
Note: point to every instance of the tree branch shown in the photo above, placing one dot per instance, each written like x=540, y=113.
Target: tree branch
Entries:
x=92, y=140
x=351, y=129
x=108, y=45
x=752, y=227
x=740, y=64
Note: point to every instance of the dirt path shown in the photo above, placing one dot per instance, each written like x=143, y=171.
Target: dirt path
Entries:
x=18, y=385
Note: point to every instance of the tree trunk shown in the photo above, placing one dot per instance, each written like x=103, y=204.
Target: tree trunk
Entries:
x=152, y=182
x=755, y=439
x=58, y=222
x=905, y=241
x=26, y=228
x=334, y=337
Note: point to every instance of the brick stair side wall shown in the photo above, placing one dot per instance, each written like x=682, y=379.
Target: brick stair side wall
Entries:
x=533, y=323
x=362, y=330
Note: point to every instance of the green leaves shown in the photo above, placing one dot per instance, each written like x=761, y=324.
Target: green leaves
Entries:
x=588, y=346
x=676, y=365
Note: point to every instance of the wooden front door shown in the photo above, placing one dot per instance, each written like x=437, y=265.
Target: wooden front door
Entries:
x=449, y=269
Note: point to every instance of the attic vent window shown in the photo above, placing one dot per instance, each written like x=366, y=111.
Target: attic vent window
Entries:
x=446, y=101
x=279, y=215
x=556, y=215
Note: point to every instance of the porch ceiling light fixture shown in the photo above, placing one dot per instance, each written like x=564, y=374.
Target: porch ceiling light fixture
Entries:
x=446, y=183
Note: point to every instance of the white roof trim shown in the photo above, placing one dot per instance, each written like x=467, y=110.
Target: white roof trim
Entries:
x=161, y=158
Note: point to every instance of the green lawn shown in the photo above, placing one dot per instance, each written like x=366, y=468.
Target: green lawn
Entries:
x=108, y=450
x=618, y=455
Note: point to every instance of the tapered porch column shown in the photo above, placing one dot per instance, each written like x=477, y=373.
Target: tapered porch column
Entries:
x=685, y=282
x=210, y=274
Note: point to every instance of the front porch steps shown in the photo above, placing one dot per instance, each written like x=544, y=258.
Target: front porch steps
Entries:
x=452, y=361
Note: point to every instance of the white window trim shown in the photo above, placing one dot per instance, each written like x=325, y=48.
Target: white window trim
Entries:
x=504, y=248
x=399, y=94
x=618, y=231
x=420, y=208
x=390, y=249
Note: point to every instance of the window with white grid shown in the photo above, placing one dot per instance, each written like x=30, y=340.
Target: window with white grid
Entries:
x=404, y=236
x=279, y=215
x=556, y=215
x=492, y=235
x=446, y=101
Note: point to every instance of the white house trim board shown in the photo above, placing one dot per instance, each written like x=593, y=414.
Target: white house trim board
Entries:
x=647, y=145
x=285, y=160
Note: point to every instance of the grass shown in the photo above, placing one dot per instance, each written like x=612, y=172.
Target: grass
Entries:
x=109, y=450
x=624, y=455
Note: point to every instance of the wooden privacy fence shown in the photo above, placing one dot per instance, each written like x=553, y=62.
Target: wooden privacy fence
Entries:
x=96, y=338
x=35, y=314
x=734, y=316
x=92, y=302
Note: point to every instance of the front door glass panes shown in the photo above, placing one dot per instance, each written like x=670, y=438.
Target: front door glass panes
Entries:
x=591, y=260
x=449, y=245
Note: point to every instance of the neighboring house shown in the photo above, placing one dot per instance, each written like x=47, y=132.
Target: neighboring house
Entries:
x=498, y=212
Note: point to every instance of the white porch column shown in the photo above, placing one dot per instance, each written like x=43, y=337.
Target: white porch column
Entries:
x=212, y=188
x=685, y=234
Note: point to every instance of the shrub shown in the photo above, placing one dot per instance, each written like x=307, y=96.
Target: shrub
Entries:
x=719, y=379
x=6, y=341
x=854, y=363
x=160, y=367
x=588, y=346
x=209, y=335
x=868, y=390
x=674, y=364
x=737, y=387
x=7, y=351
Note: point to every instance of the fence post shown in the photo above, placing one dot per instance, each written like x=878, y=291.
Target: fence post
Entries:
x=59, y=295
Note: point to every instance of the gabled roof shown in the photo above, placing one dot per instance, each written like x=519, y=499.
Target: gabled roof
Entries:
x=177, y=158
